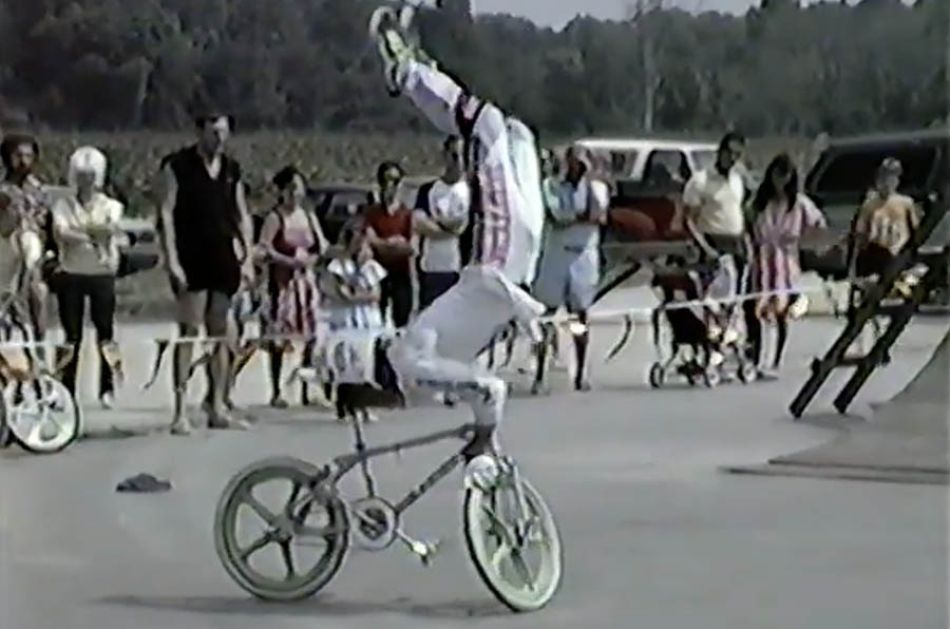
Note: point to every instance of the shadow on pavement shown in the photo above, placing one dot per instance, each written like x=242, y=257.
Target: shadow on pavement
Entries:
x=322, y=605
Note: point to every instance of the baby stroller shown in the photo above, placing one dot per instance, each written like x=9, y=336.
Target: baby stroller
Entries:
x=705, y=321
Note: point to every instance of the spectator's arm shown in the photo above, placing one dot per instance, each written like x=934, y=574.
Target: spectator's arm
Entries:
x=63, y=231
x=268, y=233
x=168, y=193
x=425, y=226
x=245, y=226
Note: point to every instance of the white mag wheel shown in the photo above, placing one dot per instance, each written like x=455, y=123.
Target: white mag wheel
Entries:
x=519, y=558
x=277, y=538
x=41, y=414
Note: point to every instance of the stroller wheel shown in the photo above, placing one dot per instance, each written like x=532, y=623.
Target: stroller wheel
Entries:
x=657, y=376
x=712, y=377
x=748, y=373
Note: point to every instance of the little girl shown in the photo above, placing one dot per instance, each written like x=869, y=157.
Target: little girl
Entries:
x=351, y=291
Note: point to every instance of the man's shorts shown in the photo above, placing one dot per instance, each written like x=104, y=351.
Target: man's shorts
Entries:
x=568, y=278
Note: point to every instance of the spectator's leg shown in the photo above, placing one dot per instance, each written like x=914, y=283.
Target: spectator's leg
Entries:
x=71, y=300
x=218, y=325
x=583, y=276
x=191, y=307
x=401, y=300
x=753, y=326
x=275, y=355
x=102, y=309
x=782, y=327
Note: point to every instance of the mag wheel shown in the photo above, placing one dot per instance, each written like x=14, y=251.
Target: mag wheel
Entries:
x=41, y=415
x=271, y=524
x=516, y=552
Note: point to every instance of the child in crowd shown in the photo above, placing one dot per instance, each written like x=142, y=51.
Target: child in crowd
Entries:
x=351, y=291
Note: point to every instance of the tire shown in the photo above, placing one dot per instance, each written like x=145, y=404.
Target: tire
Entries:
x=711, y=377
x=27, y=411
x=288, y=589
x=476, y=538
x=657, y=376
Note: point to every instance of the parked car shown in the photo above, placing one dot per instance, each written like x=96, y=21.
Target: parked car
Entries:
x=336, y=204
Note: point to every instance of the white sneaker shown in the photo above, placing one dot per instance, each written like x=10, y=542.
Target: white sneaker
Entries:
x=386, y=30
x=108, y=401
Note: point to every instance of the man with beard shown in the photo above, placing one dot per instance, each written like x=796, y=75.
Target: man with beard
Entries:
x=25, y=241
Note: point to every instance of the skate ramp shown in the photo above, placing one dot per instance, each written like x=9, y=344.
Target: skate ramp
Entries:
x=906, y=439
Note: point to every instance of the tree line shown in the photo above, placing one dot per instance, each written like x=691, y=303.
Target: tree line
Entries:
x=781, y=69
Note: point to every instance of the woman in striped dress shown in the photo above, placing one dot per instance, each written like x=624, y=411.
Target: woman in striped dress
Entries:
x=781, y=217
x=293, y=242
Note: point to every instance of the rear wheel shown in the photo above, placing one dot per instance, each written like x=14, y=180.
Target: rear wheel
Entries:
x=306, y=518
x=657, y=376
x=518, y=558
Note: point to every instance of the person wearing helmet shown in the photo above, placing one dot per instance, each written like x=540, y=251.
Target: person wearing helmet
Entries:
x=440, y=347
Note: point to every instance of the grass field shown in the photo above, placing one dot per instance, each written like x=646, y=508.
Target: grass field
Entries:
x=323, y=157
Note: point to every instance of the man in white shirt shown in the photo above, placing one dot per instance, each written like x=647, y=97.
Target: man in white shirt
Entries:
x=714, y=199
x=440, y=218
x=570, y=262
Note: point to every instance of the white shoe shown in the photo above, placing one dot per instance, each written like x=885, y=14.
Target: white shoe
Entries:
x=108, y=401
x=386, y=30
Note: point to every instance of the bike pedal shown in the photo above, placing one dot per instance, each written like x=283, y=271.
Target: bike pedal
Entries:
x=427, y=551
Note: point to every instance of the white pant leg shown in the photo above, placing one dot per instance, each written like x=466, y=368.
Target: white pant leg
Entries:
x=434, y=93
x=439, y=348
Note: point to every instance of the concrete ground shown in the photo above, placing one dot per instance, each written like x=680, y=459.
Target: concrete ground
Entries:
x=655, y=535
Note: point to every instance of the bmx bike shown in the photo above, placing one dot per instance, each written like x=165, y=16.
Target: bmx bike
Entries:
x=510, y=533
x=37, y=411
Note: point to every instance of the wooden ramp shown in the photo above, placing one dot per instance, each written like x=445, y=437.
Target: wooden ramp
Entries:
x=906, y=440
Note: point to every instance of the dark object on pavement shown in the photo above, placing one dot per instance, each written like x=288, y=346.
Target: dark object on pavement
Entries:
x=143, y=484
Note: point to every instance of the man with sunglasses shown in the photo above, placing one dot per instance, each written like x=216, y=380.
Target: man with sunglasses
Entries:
x=388, y=226
x=440, y=347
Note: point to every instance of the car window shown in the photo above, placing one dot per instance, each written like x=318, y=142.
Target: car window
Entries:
x=666, y=165
x=621, y=163
x=852, y=171
x=704, y=159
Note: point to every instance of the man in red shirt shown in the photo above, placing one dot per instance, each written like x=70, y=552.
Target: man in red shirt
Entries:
x=389, y=232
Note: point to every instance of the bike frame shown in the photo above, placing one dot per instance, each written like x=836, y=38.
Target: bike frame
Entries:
x=342, y=465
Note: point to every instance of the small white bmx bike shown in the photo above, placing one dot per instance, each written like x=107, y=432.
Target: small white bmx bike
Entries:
x=510, y=533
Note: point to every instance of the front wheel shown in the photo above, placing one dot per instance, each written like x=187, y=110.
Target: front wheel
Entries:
x=41, y=414
x=278, y=527
x=517, y=552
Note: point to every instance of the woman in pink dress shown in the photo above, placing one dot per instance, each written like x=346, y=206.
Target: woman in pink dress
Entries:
x=781, y=216
x=293, y=241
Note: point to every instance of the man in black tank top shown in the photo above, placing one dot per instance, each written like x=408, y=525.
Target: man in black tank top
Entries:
x=206, y=236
